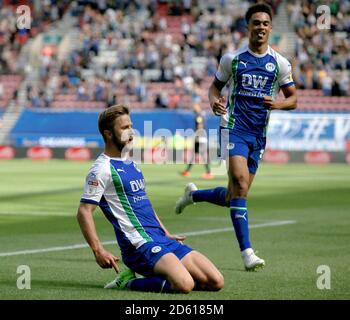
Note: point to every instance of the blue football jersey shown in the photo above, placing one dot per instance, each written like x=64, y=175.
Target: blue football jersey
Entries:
x=251, y=77
x=118, y=187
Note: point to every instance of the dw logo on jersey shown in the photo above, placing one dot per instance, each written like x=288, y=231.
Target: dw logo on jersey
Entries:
x=137, y=185
x=249, y=80
x=270, y=67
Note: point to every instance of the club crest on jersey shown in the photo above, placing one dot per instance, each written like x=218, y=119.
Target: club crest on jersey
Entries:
x=230, y=146
x=270, y=66
x=156, y=249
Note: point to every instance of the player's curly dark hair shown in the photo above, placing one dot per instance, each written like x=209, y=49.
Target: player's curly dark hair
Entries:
x=258, y=7
x=107, y=117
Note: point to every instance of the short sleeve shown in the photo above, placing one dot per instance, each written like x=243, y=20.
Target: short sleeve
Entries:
x=285, y=78
x=224, y=71
x=95, y=184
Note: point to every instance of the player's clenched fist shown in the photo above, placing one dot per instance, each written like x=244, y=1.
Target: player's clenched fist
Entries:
x=219, y=106
x=270, y=103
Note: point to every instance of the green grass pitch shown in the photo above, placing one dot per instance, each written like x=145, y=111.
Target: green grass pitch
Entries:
x=38, y=202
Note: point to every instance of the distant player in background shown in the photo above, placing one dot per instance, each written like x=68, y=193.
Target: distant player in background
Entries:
x=200, y=152
x=116, y=184
x=255, y=73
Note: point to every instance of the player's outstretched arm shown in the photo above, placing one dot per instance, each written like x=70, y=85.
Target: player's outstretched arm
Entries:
x=86, y=222
x=289, y=103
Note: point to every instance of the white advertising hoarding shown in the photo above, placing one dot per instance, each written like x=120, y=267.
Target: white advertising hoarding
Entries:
x=295, y=131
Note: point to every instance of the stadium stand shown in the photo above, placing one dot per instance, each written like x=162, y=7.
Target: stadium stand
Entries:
x=148, y=57
x=322, y=59
x=12, y=41
x=119, y=57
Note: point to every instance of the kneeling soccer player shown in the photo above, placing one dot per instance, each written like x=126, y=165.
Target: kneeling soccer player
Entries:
x=117, y=185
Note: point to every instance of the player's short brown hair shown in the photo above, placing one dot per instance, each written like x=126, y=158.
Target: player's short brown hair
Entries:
x=107, y=117
x=258, y=7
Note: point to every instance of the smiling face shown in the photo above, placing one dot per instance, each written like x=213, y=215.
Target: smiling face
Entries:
x=259, y=28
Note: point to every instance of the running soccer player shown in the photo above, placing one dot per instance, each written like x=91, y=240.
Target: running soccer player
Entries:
x=255, y=73
x=200, y=151
x=116, y=184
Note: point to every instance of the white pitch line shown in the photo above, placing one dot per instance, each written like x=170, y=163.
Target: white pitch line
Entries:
x=253, y=226
x=191, y=233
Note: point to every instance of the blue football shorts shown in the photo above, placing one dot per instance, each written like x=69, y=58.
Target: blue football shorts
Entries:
x=143, y=259
x=234, y=143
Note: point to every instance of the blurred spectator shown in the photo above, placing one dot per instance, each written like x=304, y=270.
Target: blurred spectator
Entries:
x=211, y=67
x=327, y=84
x=175, y=101
x=196, y=95
x=82, y=93
x=344, y=83
x=161, y=101
x=99, y=90
x=140, y=91
x=36, y=98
